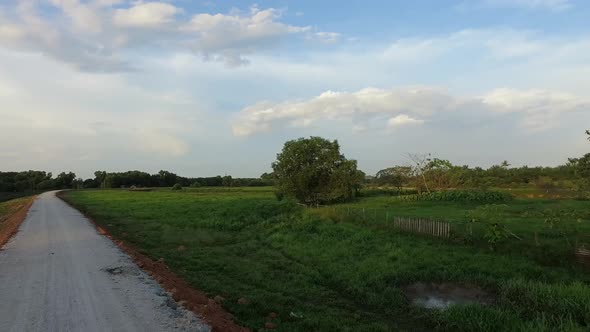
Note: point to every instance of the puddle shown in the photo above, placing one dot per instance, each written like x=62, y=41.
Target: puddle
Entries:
x=444, y=295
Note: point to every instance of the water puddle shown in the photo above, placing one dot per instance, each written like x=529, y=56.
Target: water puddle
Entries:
x=444, y=295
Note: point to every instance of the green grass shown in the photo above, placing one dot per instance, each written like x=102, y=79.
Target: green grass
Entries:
x=321, y=275
x=526, y=218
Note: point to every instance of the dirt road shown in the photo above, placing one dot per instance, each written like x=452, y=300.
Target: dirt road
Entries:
x=59, y=274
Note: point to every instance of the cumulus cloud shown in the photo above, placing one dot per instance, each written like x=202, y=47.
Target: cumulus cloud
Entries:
x=97, y=35
x=230, y=36
x=149, y=14
x=398, y=107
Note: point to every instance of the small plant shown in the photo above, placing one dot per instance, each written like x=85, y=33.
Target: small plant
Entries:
x=177, y=186
x=490, y=216
x=555, y=220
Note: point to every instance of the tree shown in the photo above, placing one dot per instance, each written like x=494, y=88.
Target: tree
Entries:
x=100, y=178
x=65, y=180
x=314, y=171
x=437, y=171
x=420, y=163
x=395, y=176
x=227, y=181
x=588, y=133
x=166, y=179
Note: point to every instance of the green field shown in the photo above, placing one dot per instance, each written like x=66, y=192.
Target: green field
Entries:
x=327, y=270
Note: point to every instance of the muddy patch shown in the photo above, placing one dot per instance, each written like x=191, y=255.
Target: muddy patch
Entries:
x=444, y=295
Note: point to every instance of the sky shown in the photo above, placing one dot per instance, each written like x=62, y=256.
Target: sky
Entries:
x=203, y=88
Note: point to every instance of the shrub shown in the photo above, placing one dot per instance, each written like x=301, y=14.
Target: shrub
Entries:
x=177, y=186
x=459, y=196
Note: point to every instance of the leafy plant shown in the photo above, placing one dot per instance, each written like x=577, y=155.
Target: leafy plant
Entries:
x=460, y=196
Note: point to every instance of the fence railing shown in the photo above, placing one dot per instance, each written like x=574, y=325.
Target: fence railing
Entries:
x=423, y=226
x=415, y=225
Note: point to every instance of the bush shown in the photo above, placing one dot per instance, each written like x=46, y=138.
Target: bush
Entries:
x=177, y=187
x=279, y=195
x=459, y=196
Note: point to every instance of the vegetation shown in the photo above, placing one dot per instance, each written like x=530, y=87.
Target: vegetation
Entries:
x=31, y=181
x=460, y=196
x=346, y=274
x=313, y=171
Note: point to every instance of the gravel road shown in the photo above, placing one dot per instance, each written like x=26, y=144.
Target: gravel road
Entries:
x=59, y=274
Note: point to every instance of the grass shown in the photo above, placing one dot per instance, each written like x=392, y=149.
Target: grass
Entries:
x=322, y=275
x=548, y=243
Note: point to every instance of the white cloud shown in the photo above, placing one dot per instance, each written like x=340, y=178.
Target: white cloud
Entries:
x=406, y=106
x=327, y=37
x=148, y=14
x=403, y=120
x=229, y=37
x=82, y=16
x=10, y=32
x=541, y=109
x=99, y=35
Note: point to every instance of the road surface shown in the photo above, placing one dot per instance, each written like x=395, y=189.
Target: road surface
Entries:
x=59, y=274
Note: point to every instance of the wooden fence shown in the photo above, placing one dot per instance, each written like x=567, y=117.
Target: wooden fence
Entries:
x=423, y=226
x=414, y=225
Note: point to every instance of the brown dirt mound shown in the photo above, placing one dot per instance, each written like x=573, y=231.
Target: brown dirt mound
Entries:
x=9, y=226
x=193, y=299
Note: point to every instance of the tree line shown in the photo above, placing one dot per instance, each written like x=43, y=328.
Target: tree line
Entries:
x=34, y=181
x=313, y=171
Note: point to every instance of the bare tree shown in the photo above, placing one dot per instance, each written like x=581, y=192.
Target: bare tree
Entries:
x=419, y=163
x=588, y=133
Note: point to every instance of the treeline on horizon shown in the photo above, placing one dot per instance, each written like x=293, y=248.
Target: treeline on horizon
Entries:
x=435, y=174
x=41, y=180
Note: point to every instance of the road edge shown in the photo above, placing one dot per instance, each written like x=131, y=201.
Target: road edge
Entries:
x=13, y=222
x=185, y=295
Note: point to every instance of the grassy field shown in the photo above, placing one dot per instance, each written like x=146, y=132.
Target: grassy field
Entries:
x=549, y=229
x=319, y=272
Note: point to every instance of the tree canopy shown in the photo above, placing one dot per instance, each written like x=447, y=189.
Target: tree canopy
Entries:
x=313, y=171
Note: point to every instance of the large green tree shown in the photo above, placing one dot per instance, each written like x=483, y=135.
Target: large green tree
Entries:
x=314, y=171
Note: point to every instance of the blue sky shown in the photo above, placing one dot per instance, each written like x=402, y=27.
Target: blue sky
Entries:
x=206, y=88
